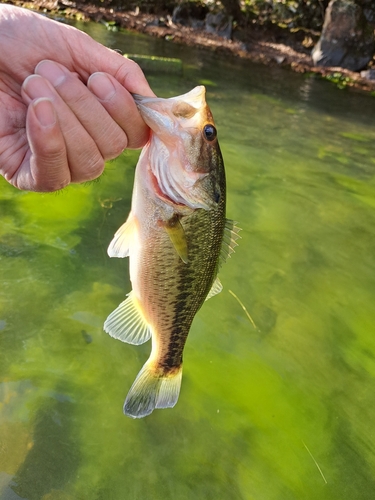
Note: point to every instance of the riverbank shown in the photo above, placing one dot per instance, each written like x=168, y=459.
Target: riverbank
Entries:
x=267, y=46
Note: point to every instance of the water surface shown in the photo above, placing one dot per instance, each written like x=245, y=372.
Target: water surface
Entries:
x=275, y=406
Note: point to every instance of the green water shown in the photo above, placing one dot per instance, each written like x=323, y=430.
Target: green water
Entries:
x=280, y=411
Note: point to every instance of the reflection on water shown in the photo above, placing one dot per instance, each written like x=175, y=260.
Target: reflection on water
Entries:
x=277, y=408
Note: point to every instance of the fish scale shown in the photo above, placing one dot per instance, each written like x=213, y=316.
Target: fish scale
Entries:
x=176, y=237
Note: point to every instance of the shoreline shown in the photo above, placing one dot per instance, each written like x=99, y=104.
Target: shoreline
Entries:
x=256, y=47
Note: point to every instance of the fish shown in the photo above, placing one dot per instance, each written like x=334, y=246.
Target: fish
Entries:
x=176, y=237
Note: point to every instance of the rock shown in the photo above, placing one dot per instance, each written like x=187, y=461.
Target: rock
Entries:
x=197, y=15
x=219, y=24
x=190, y=14
x=347, y=38
x=369, y=74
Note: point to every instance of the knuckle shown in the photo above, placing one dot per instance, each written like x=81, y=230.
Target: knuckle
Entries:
x=129, y=70
x=117, y=147
x=50, y=185
x=137, y=141
x=133, y=67
x=93, y=170
x=97, y=168
x=50, y=176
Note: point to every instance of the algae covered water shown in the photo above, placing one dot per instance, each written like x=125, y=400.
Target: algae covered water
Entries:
x=277, y=398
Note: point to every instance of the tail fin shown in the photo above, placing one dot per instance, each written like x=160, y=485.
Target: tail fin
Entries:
x=150, y=391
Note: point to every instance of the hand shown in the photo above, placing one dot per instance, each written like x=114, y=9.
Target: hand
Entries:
x=65, y=103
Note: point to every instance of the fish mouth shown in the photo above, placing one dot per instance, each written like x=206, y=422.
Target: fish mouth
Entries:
x=196, y=98
x=175, y=172
x=161, y=114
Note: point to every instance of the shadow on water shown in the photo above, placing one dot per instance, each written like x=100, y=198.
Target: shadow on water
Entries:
x=53, y=460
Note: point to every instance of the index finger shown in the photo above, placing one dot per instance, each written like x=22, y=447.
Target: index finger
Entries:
x=102, y=59
x=121, y=107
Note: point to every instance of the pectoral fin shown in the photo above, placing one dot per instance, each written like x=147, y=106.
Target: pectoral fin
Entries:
x=123, y=239
x=177, y=236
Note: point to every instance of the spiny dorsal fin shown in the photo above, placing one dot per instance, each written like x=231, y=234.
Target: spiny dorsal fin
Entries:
x=177, y=236
x=229, y=243
x=215, y=289
x=123, y=239
x=126, y=323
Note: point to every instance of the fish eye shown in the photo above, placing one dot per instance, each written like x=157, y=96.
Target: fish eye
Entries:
x=209, y=132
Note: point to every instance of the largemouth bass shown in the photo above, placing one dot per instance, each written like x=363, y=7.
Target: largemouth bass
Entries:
x=176, y=237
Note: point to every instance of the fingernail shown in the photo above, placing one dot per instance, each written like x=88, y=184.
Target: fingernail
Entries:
x=51, y=71
x=101, y=85
x=35, y=86
x=44, y=112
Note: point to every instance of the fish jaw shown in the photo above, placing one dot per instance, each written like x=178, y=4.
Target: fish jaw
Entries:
x=183, y=162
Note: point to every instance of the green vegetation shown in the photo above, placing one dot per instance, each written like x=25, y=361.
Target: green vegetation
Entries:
x=341, y=81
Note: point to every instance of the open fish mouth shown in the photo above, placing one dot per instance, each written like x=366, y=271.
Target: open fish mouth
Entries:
x=180, y=174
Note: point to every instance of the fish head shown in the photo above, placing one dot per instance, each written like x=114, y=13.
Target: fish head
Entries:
x=185, y=157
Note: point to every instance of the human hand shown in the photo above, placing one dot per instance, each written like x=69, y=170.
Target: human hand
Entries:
x=65, y=103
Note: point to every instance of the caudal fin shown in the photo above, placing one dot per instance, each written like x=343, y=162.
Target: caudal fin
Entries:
x=150, y=391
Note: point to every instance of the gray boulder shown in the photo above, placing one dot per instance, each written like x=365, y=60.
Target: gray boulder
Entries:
x=347, y=38
x=219, y=24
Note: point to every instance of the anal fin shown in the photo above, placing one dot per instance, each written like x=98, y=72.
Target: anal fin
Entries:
x=126, y=322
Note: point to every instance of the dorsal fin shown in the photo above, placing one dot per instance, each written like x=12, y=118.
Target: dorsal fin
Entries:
x=127, y=323
x=177, y=236
x=215, y=289
x=124, y=237
x=229, y=243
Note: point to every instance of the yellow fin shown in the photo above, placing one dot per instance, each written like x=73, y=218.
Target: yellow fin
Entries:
x=150, y=391
x=126, y=322
x=123, y=239
x=215, y=289
x=177, y=236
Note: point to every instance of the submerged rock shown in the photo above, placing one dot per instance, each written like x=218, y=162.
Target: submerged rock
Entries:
x=347, y=38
